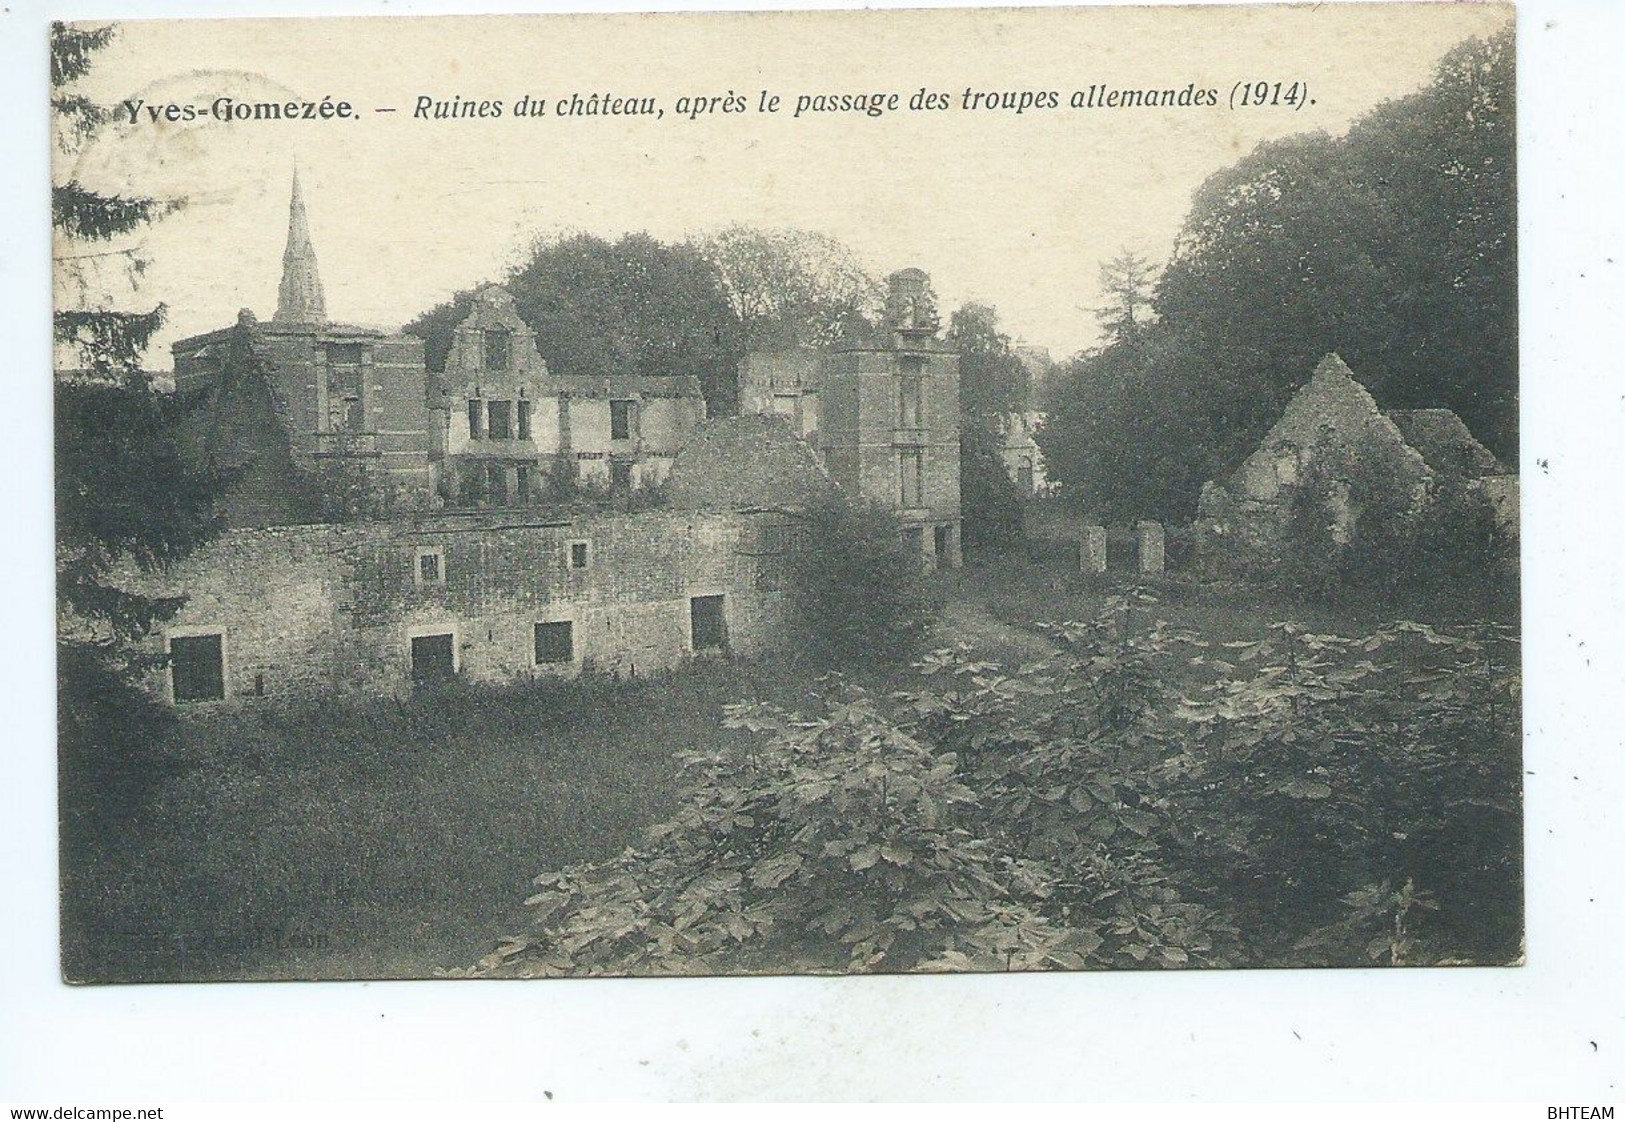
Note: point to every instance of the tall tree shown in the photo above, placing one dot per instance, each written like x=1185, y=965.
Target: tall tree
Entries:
x=793, y=288
x=1126, y=280
x=993, y=381
x=1392, y=246
x=126, y=494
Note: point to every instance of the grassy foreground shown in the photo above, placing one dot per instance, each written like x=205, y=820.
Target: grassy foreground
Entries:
x=371, y=840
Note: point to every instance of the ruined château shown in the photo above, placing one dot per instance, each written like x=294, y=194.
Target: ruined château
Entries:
x=389, y=524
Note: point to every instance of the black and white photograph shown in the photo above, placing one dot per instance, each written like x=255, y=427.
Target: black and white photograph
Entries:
x=481, y=554
x=1058, y=552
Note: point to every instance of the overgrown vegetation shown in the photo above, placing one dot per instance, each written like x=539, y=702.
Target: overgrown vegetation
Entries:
x=1358, y=528
x=380, y=837
x=1305, y=799
x=126, y=495
x=857, y=586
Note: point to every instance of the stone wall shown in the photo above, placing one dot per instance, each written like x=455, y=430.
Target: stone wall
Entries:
x=305, y=611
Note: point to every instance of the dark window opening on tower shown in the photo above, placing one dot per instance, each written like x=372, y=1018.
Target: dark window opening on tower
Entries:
x=911, y=479
x=910, y=402
x=524, y=420
x=498, y=349
x=476, y=419
x=348, y=415
x=622, y=419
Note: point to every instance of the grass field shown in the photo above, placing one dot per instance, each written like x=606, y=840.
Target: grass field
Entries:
x=377, y=840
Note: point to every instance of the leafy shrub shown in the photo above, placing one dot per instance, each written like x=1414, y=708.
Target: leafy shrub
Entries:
x=1131, y=801
x=1071, y=757
x=1444, y=546
x=840, y=844
x=1337, y=764
x=858, y=591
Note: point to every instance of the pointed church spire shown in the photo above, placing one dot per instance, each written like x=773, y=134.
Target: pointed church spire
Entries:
x=299, y=297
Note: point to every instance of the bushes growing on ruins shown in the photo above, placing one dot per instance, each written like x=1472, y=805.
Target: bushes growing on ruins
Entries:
x=1137, y=800
x=1399, y=542
x=858, y=589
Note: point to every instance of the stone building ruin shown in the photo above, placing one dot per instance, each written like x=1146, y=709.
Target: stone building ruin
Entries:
x=1243, y=519
x=462, y=549
x=883, y=414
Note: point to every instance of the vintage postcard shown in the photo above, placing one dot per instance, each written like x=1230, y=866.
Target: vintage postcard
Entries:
x=787, y=492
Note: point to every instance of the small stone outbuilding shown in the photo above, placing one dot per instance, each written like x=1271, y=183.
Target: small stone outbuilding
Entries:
x=1243, y=519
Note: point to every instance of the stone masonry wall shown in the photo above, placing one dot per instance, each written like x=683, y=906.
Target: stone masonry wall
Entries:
x=306, y=611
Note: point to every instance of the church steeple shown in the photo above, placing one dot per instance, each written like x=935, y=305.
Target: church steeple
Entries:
x=299, y=297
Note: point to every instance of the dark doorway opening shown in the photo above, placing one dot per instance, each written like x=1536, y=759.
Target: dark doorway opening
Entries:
x=433, y=658
x=197, y=668
x=707, y=623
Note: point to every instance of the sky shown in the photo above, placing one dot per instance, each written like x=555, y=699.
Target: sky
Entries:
x=1016, y=210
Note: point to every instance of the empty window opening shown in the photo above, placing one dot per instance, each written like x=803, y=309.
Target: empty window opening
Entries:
x=524, y=481
x=620, y=476
x=707, y=623
x=476, y=419
x=910, y=402
x=433, y=658
x=197, y=667
x=500, y=425
x=939, y=538
x=498, y=349
x=911, y=478
x=497, y=481
x=555, y=642
x=1024, y=473
x=471, y=483
x=622, y=419
x=580, y=555
x=430, y=566
x=344, y=414
x=524, y=419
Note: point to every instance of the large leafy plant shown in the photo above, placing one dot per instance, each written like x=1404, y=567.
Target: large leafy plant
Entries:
x=1137, y=799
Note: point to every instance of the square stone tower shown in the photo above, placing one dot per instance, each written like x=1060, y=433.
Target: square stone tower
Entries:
x=889, y=424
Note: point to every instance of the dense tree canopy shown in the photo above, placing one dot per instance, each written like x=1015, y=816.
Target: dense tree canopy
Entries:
x=1392, y=246
x=793, y=288
x=631, y=306
x=992, y=380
